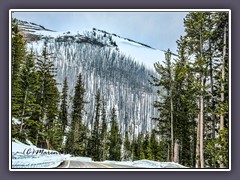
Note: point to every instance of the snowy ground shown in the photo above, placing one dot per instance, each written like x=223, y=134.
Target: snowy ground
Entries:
x=29, y=156
x=147, y=164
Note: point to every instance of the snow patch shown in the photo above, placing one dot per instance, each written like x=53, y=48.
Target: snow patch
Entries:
x=147, y=164
x=15, y=121
x=30, y=156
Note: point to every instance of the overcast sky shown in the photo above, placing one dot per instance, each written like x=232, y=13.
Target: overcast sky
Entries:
x=157, y=29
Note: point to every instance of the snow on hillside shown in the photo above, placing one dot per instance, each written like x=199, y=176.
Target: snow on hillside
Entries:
x=30, y=156
x=141, y=54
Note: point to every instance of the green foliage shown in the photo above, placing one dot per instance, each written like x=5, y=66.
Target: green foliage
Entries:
x=217, y=150
x=96, y=138
x=63, y=116
x=104, y=134
x=163, y=149
x=195, y=76
x=75, y=138
x=127, y=147
x=147, y=147
x=139, y=146
x=154, y=145
x=115, y=141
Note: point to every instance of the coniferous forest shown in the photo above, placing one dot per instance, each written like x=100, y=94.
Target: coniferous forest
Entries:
x=102, y=104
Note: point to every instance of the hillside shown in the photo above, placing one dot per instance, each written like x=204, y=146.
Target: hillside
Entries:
x=116, y=65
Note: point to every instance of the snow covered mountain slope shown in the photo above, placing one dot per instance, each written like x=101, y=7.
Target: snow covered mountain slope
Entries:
x=119, y=67
x=140, y=52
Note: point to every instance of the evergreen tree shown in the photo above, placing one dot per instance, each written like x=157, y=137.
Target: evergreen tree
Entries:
x=154, y=145
x=147, y=147
x=96, y=139
x=127, y=147
x=48, y=100
x=184, y=107
x=140, y=153
x=76, y=135
x=104, y=134
x=134, y=148
x=18, y=53
x=26, y=97
x=63, y=117
x=165, y=104
x=53, y=123
x=198, y=35
x=114, y=138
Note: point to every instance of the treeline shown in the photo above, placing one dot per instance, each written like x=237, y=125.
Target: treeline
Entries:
x=193, y=103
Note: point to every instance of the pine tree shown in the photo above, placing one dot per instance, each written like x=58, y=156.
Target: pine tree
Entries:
x=147, y=147
x=28, y=86
x=195, y=24
x=184, y=106
x=18, y=54
x=96, y=139
x=48, y=100
x=114, y=138
x=53, y=123
x=140, y=153
x=217, y=149
x=104, y=133
x=127, y=147
x=165, y=121
x=76, y=135
x=134, y=148
x=63, y=117
x=154, y=145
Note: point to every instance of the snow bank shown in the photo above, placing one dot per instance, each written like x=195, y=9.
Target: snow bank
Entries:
x=154, y=164
x=29, y=156
x=147, y=164
x=127, y=163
